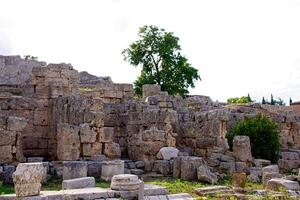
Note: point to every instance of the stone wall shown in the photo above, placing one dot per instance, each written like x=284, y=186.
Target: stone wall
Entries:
x=73, y=116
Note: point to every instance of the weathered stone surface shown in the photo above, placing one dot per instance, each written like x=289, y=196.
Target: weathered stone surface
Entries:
x=111, y=168
x=261, y=163
x=255, y=174
x=74, y=169
x=140, y=164
x=270, y=169
x=68, y=143
x=213, y=190
x=242, y=148
x=94, y=168
x=106, y=134
x=162, y=166
x=28, y=177
x=112, y=150
x=150, y=90
x=205, y=175
x=77, y=183
x=137, y=171
x=87, y=135
x=278, y=183
x=189, y=165
x=125, y=182
x=239, y=180
x=269, y=175
x=16, y=123
x=166, y=153
x=35, y=159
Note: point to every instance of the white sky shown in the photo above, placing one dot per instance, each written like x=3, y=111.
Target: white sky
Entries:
x=239, y=46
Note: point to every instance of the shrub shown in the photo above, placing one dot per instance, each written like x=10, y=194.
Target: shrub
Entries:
x=263, y=134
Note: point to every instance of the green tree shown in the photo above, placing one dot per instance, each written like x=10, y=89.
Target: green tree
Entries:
x=263, y=134
x=291, y=101
x=158, y=53
x=263, y=101
x=272, y=102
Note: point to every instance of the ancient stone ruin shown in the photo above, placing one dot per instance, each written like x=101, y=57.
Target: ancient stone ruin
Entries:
x=88, y=126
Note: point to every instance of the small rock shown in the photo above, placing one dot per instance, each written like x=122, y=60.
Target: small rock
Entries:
x=166, y=153
x=137, y=171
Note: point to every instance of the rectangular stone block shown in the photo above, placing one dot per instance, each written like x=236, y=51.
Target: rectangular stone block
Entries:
x=40, y=117
x=77, y=183
x=16, y=123
x=74, y=169
x=106, y=134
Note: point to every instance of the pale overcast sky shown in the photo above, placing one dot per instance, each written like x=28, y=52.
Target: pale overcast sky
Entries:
x=239, y=46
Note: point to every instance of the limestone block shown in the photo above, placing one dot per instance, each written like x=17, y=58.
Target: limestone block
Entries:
x=140, y=164
x=153, y=134
x=137, y=171
x=239, y=180
x=40, y=117
x=151, y=90
x=189, y=165
x=112, y=150
x=106, y=134
x=261, y=163
x=96, y=149
x=74, y=169
x=242, y=167
x=205, y=175
x=98, y=157
x=228, y=167
x=242, y=148
x=6, y=154
x=162, y=166
x=286, y=165
x=28, y=177
x=255, y=174
x=68, y=142
x=168, y=152
x=16, y=123
x=177, y=167
x=94, y=168
x=35, y=159
x=289, y=155
x=111, y=168
x=77, y=183
x=87, y=135
x=269, y=175
x=7, y=137
x=278, y=183
x=270, y=169
x=125, y=182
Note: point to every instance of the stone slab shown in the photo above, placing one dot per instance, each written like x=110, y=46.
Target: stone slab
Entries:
x=77, y=183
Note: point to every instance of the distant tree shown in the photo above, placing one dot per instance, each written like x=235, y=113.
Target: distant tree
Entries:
x=279, y=102
x=249, y=98
x=272, y=102
x=263, y=101
x=30, y=57
x=158, y=53
x=291, y=101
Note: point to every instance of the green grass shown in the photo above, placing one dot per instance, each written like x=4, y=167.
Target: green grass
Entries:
x=53, y=183
x=102, y=184
x=6, y=189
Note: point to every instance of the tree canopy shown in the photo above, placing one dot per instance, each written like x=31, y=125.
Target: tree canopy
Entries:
x=240, y=100
x=158, y=53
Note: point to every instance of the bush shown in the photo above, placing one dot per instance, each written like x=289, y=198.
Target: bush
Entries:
x=263, y=134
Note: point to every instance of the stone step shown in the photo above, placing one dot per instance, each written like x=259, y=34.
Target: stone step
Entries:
x=77, y=183
x=88, y=194
x=213, y=190
x=181, y=196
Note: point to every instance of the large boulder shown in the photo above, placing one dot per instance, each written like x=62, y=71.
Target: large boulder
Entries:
x=28, y=177
x=242, y=148
x=279, y=183
x=166, y=153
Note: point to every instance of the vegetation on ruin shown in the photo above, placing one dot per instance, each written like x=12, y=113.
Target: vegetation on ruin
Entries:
x=158, y=53
x=240, y=100
x=263, y=134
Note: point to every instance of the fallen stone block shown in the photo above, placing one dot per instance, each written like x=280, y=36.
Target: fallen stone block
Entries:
x=77, y=183
x=205, y=175
x=277, y=184
x=111, y=168
x=239, y=180
x=261, y=163
x=213, y=190
x=74, y=169
x=27, y=179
